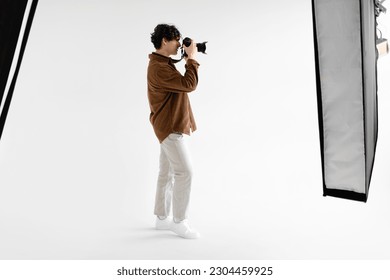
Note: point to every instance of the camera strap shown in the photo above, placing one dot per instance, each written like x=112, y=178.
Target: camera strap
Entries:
x=178, y=60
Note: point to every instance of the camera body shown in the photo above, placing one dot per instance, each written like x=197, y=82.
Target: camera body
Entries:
x=201, y=47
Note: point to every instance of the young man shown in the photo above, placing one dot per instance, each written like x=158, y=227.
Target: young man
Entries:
x=171, y=117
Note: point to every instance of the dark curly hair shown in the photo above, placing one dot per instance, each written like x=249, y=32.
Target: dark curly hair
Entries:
x=169, y=32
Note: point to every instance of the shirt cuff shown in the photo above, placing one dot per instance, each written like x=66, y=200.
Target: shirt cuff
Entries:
x=192, y=62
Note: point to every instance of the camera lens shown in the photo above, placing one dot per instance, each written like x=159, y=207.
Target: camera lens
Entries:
x=201, y=47
x=187, y=42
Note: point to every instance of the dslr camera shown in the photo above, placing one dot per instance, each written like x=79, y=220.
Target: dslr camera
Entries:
x=201, y=47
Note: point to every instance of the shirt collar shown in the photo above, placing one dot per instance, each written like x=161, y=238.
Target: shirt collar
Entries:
x=160, y=57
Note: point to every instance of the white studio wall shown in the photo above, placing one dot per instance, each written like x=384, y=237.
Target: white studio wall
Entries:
x=79, y=159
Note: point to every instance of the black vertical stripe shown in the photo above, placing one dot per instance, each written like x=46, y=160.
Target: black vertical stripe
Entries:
x=8, y=99
x=362, y=50
x=319, y=96
x=11, y=19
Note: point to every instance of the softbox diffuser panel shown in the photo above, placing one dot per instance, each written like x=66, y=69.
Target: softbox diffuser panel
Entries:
x=345, y=54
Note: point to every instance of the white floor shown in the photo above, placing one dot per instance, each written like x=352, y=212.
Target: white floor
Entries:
x=93, y=207
x=78, y=159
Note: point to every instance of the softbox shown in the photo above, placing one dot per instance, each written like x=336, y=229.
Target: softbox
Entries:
x=345, y=61
x=16, y=17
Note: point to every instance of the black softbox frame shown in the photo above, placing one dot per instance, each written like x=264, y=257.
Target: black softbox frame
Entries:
x=346, y=79
x=13, y=40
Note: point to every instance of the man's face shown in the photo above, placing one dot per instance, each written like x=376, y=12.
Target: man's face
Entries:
x=173, y=46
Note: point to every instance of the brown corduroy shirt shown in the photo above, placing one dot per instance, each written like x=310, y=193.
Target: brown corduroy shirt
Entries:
x=170, y=108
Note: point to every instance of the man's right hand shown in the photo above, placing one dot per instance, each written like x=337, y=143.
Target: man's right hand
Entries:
x=191, y=50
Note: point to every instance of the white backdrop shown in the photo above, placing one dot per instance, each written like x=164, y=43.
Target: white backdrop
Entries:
x=79, y=160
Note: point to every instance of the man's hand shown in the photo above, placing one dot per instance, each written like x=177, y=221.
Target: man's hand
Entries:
x=191, y=50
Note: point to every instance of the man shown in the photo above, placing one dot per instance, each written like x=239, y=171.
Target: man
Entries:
x=171, y=117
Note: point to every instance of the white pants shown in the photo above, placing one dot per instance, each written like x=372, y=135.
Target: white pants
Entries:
x=174, y=179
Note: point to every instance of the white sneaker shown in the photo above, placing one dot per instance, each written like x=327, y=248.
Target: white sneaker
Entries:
x=164, y=224
x=184, y=230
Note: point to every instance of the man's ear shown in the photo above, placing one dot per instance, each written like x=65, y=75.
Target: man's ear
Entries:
x=164, y=41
